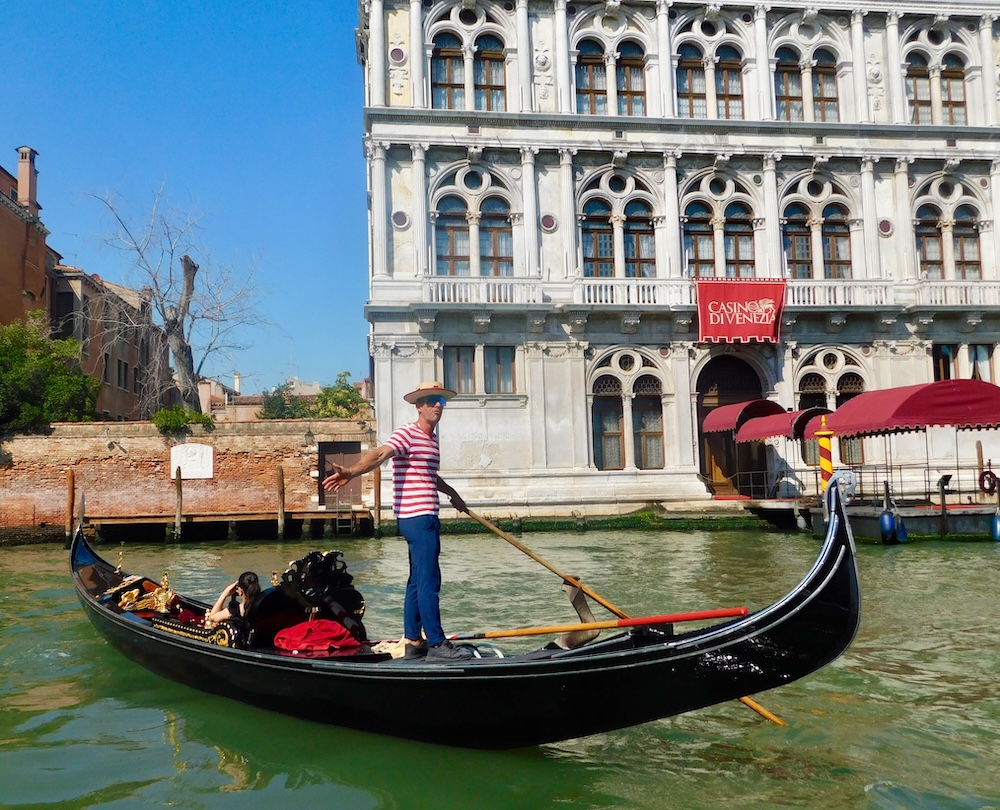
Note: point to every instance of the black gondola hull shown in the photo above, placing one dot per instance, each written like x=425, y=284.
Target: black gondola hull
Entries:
x=635, y=677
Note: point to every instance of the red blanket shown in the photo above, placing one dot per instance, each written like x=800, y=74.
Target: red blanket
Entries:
x=319, y=635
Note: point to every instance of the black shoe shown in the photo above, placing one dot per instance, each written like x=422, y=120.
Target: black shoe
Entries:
x=415, y=650
x=446, y=651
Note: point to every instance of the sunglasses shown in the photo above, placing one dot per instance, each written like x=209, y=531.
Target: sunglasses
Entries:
x=435, y=400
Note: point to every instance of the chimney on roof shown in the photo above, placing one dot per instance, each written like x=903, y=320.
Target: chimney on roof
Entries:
x=236, y=381
x=27, y=180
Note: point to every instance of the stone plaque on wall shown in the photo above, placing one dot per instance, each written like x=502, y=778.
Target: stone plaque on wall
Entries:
x=195, y=460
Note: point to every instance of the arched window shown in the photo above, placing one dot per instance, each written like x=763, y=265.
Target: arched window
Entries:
x=452, y=237
x=630, y=75
x=729, y=83
x=929, y=246
x=824, y=81
x=598, y=240
x=496, y=243
x=692, y=92
x=836, y=243
x=699, y=241
x=918, y=89
x=647, y=423
x=968, y=265
x=447, y=73
x=788, y=86
x=738, y=240
x=591, y=79
x=812, y=391
x=488, y=74
x=798, y=241
x=953, y=90
x=608, y=449
x=640, y=242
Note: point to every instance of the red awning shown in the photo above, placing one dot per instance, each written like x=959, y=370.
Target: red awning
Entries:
x=954, y=403
x=731, y=417
x=790, y=424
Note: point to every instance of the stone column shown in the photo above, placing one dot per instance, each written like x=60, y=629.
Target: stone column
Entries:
x=856, y=226
x=860, y=70
x=907, y=249
x=894, y=69
x=666, y=63
x=524, y=57
x=377, y=53
x=816, y=247
x=937, y=115
x=765, y=85
x=618, y=229
x=989, y=68
x=611, y=72
x=475, y=261
x=995, y=199
x=719, y=245
x=772, y=215
x=376, y=159
x=418, y=152
x=628, y=438
x=947, y=228
x=468, y=58
x=563, y=84
x=568, y=205
x=418, y=55
x=806, y=71
x=530, y=207
x=672, y=214
x=711, y=98
x=871, y=262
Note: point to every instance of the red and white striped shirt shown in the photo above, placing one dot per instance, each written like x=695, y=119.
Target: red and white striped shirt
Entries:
x=415, y=465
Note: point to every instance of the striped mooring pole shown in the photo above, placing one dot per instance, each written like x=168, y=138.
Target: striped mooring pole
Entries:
x=825, y=453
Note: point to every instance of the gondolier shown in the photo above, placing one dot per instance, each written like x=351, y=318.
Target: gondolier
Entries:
x=416, y=457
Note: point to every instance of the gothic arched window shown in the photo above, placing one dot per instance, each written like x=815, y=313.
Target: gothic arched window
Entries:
x=836, y=243
x=965, y=238
x=953, y=91
x=598, y=240
x=788, y=86
x=824, y=84
x=447, y=73
x=607, y=422
x=798, y=241
x=729, y=83
x=930, y=250
x=692, y=92
x=647, y=423
x=738, y=241
x=918, y=89
x=488, y=74
x=630, y=73
x=591, y=79
x=640, y=241
x=496, y=243
x=699, y=241
x=452, y=237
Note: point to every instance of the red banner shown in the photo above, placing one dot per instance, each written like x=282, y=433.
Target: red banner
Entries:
x=734, y=310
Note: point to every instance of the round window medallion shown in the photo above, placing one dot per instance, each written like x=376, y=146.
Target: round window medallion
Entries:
x=549, y=223
x=885, y=227
x=397, y=55
x=400, y=219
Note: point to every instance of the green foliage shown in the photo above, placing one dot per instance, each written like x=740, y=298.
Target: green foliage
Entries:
x=280, y=404
x=177, y=418
x=340, y=400
x=40, y=379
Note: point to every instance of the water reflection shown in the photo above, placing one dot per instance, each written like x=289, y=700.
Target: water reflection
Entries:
x=907, y=718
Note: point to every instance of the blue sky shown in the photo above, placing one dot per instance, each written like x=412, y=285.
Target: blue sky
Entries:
x=248, y=113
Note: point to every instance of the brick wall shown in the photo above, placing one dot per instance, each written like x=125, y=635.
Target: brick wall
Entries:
x=123, y=469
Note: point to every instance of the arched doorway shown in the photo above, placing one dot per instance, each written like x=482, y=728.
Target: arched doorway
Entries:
x=729, y=468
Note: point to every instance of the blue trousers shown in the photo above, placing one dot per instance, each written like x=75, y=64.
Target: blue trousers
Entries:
x=421, y=606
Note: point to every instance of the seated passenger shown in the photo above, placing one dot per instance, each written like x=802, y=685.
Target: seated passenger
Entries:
x=246, y=587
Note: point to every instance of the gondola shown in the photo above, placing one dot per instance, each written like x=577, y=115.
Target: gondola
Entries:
x=547, y=695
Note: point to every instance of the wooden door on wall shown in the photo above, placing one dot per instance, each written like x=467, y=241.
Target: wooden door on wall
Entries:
x=728, y=468
x=343, y=454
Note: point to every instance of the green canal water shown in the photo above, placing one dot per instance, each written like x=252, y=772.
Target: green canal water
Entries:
x=908, y=718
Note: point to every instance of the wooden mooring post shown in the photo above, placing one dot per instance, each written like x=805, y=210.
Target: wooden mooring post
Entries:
x=178, y=514
x=281, y=502
x=70, y=502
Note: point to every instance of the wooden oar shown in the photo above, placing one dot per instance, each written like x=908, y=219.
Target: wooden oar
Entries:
x=644, y=621
x=600, y=600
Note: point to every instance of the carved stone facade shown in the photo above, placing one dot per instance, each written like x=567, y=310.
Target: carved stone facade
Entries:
x=548, y=179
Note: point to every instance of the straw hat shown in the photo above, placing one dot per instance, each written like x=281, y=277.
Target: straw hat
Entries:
x=431, y=388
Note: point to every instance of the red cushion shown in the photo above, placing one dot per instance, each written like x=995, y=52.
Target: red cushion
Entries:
x=314, y=636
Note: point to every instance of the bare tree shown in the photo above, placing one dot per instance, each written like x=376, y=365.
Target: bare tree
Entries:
x=201, y=307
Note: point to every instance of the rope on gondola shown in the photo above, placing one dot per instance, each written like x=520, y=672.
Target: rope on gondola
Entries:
x=988, y=481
